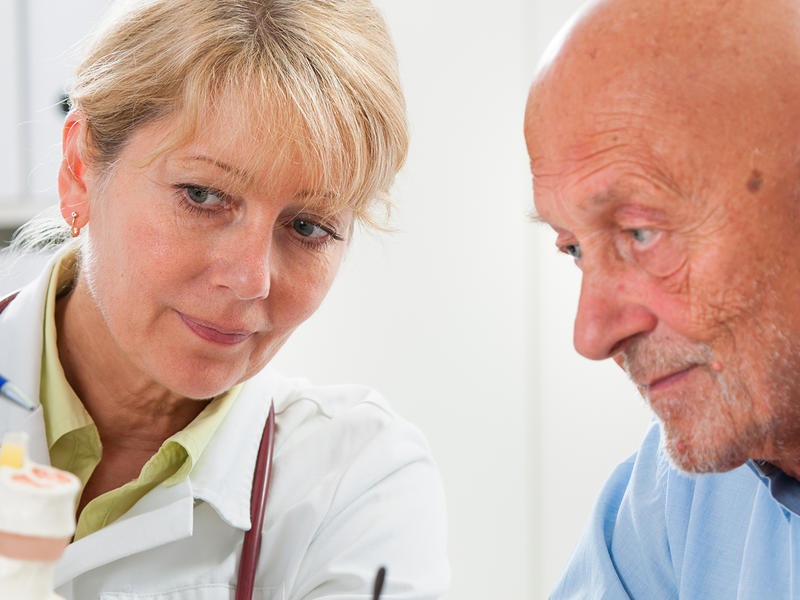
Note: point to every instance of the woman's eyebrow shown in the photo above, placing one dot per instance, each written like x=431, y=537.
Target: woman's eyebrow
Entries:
x=313, y=198
x=234, y=172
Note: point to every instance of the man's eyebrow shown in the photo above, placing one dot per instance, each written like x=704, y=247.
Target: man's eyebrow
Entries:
x=536, y=218
x=596, y=201
x=606, y=196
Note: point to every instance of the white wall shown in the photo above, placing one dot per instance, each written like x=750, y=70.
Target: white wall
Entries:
x=462, y=318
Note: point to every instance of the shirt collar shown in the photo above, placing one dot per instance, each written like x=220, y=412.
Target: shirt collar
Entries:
x=63, y=411
x=195, y=436
x=783, y=488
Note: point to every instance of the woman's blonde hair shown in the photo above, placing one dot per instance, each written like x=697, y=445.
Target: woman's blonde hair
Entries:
x=317, y=75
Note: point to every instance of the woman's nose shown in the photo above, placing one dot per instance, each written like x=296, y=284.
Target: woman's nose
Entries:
x=610, y=311
x=246, y=268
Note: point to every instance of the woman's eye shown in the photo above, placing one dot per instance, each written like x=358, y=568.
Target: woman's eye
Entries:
x=204, y=196
x=642, y=236
x=309, y=229
x=574, y=250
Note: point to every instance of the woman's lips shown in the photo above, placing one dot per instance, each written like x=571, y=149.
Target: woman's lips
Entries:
x=214, y=333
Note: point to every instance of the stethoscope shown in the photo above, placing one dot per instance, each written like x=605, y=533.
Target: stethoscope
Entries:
x=251, y=548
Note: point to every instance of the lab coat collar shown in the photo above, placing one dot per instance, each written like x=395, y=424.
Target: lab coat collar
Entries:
x=223, y=476
x=163, y=516
x=20, y=361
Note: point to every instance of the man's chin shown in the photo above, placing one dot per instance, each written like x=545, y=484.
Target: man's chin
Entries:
x=700, y=458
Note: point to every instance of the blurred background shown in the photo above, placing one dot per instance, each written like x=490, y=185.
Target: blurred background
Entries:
x=462, y=317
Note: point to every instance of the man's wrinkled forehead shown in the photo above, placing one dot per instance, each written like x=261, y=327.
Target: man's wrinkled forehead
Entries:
x=720, y=113
x=569, y=142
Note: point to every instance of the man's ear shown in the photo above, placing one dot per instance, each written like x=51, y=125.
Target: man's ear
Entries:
x=72, y=188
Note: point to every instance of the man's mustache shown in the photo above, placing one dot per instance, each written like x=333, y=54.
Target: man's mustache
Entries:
x=647, y=359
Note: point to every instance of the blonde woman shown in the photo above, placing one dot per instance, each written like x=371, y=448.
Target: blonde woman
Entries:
x=215, y=159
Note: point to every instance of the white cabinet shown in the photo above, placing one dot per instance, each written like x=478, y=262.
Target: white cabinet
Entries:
x=40, y=43
x=9, y=106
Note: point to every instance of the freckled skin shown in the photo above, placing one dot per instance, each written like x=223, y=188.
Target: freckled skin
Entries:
x=642, y=128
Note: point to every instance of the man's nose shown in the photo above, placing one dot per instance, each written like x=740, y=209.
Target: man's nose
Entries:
x=610, y=311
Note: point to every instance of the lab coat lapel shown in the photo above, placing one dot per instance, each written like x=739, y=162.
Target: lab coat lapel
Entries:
x=21, y=359
x=223, y=476
x=163, y=516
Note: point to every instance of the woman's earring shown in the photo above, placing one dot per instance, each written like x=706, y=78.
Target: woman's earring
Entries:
x=75, y=231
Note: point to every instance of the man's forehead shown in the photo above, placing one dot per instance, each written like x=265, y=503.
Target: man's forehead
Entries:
x=606, y=160
x=702, y=56
x=623, y=142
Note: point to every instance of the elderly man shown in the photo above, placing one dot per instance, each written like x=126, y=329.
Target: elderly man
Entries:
x=664, y=139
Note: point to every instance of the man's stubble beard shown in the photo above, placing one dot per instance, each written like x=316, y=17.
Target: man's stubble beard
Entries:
x=729, y=423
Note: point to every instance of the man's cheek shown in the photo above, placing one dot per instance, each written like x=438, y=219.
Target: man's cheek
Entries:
x=717, y=311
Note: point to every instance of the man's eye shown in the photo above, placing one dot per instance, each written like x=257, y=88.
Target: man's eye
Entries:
x=204, y=196
x=309, y=229
x=574, y=250
x=642, y=236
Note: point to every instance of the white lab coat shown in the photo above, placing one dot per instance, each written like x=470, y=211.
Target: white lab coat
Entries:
x=353, y=488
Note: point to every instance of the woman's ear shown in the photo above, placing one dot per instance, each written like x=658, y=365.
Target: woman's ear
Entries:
x=72, y=188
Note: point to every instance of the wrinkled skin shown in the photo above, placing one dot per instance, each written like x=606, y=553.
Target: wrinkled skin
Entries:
x=664, y=152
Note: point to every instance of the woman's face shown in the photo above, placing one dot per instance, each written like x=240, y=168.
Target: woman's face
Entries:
x=198, y=273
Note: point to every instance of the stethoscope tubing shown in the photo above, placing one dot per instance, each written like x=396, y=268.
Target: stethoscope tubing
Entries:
x=251, y=548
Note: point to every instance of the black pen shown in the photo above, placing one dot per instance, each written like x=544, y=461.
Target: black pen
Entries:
x=378, y=587
x=13, y=393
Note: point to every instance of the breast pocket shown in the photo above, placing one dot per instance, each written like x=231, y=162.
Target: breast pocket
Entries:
x=197, y=592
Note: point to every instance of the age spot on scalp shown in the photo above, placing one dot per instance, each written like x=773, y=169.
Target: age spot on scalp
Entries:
x=755, y=182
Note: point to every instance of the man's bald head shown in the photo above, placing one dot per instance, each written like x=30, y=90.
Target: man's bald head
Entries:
x=727, y=69
x=664, y=140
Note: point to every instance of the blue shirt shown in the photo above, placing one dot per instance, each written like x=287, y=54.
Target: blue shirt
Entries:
x=657, y=533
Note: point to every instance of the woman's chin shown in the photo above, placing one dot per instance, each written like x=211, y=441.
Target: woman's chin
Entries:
x=205, y=391
x=194, y=375
x=199, y=384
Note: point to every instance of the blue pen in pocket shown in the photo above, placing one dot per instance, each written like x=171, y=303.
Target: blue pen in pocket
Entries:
x=13, y=393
